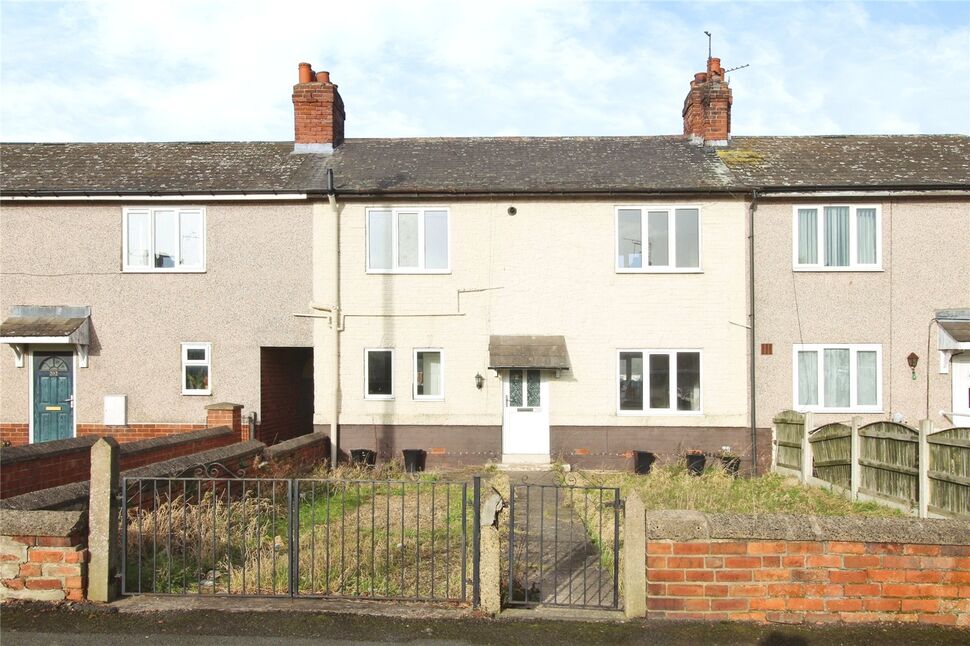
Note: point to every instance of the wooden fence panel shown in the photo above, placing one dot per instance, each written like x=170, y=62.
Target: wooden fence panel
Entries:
x=888, y=455
x=788, y=434
x=949, y=471
x=832, y=453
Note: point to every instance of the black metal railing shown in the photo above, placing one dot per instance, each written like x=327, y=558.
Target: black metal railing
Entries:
x=563, y=547
x=390, y=539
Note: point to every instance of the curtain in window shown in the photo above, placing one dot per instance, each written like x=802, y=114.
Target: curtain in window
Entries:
x=836, y=366
x=407, y=239
x=166, y=239
x=436, y=239
x=629, y=242
x=807, y=236
x=139, y=238
x=379, y=232
x=836, y=236
x=808, y=378
x=428, y=377
x=866, y=236
x=190, y=239
x=866, y=378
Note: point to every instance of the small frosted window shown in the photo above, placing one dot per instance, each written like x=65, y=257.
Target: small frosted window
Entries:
x=379, y=234
x=436, y=239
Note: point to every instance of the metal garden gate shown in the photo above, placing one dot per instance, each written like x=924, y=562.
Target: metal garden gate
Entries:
x=563, y=547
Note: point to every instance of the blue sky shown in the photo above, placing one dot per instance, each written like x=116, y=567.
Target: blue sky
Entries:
x=214, y=70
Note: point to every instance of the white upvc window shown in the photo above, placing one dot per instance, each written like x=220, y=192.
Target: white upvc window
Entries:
x=836, y=237
x=378, y=373
x=429, y=374
x=163, y=239
x=666, y=382
x=658, y=239
x=408, y=240
x=837, y=378
x=196, y=368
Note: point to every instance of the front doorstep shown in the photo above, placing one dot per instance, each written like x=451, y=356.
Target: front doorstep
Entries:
x=526, y=462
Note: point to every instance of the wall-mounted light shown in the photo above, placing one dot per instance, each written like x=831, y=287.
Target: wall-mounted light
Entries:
x=912, y=360
x=479, y=380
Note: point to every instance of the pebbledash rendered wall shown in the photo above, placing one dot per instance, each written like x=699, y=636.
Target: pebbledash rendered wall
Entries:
x=258, y=273
x=547, y=270
x=925, y=267
x=803, y=569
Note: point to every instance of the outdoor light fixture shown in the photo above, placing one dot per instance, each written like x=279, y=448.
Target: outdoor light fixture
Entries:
x=912, y=360
x=479, y=380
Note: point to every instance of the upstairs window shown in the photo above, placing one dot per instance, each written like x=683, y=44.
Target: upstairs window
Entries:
x=407, y=241
x=658, y=239
x=833, y=378
x=837, y=238
x=164, y=239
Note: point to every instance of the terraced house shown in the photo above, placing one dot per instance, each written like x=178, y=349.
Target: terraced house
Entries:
x=485, y=299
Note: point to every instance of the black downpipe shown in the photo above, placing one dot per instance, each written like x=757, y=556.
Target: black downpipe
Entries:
x=751, y=349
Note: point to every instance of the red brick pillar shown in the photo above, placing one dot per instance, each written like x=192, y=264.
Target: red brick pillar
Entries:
x=226, y=414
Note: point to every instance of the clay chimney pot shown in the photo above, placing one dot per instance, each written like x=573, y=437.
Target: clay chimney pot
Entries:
x=306, y=73
x=323, y=77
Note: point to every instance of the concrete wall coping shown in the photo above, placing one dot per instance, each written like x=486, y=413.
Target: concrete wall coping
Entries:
x=224, y=406
x=75, y=494
x=284, y=449
x=678, y=525
x=142, y=446
x=41, y=523
x=14, y=454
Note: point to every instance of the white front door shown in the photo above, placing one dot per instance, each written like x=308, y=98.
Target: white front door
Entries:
x=960, y=378
x=525, y=424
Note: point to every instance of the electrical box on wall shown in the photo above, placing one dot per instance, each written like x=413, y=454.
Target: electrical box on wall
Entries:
x=116, y=410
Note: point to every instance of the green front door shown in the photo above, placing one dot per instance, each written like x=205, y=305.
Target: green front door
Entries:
x=53, y=396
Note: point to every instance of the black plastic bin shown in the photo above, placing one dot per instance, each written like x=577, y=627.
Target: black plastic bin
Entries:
x=695, y=463
x=643, y=461
x=363, y=457
x=413, y=460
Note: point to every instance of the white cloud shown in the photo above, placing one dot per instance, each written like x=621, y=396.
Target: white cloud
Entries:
x=224, y=70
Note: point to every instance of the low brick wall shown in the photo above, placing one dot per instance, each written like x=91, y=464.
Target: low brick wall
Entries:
x=74, y=496
x=33, y=467
x=803, y=569
x=298, y=454
x=43, y=555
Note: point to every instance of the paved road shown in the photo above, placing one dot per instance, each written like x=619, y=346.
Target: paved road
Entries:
x=85, y=626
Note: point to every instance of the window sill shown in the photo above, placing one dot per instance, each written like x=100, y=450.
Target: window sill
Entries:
x=660, y=412
x=816, y=409
x=408, y=272
x=838, y=269
x=197, y=393
x=152, y=270
x=429, y=399
x=655, y=270
x=378, y=398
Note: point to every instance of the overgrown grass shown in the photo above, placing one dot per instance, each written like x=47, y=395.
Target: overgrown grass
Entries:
x=362, y=532
x=673, y=487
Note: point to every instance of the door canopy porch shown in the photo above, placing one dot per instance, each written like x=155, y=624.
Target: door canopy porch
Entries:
x=536, y=352
x=48, y=325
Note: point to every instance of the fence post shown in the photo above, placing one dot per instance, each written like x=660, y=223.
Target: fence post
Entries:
x=923, y=458
x=634, y=557
x=855, y=468
x=807, y=427
x=489, y=556
x=103, y=521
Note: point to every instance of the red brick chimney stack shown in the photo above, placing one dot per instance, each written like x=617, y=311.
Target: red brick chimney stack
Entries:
x=707, y=108
x=318, y=113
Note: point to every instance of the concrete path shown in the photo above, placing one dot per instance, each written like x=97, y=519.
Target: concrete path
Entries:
x=556, y=562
